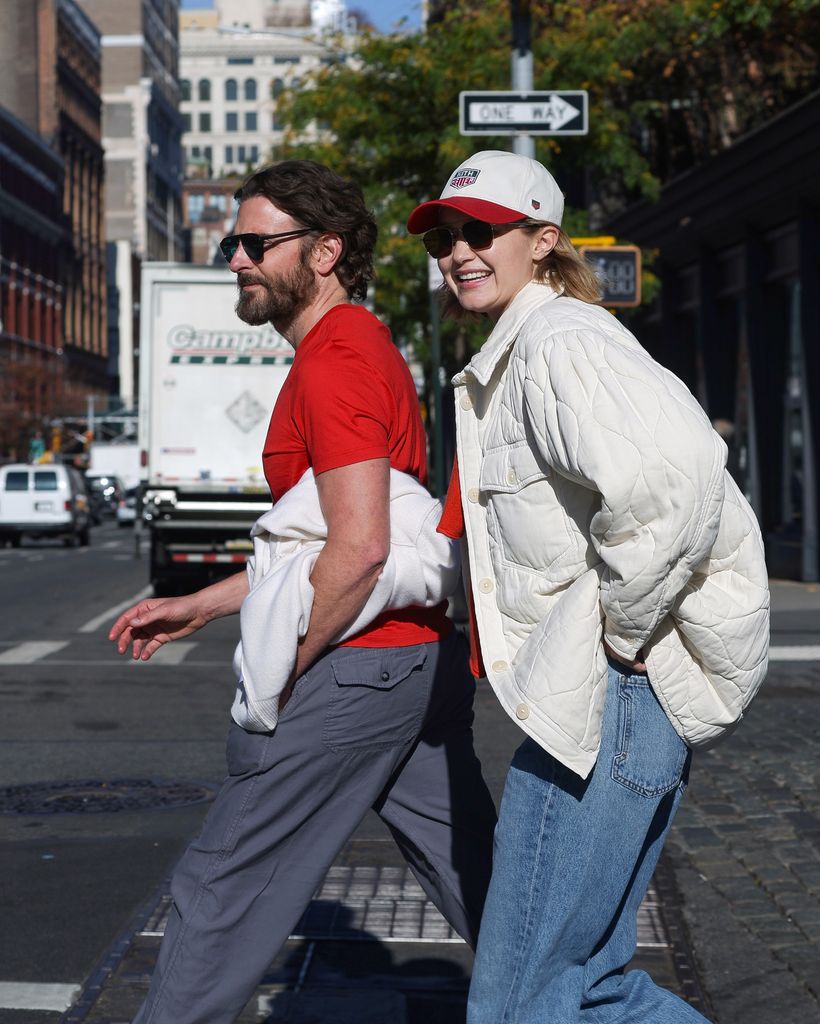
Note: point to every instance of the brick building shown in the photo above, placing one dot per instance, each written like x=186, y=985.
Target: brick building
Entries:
x=50, y=85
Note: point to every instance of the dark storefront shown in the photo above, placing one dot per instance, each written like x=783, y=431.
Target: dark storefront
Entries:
x=738, y=319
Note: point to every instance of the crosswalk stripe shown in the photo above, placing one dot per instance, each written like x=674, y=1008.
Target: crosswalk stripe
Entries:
x=795, y=652
x=111, y=613
x=172, y=653
x=24, y=995
x=31, y=651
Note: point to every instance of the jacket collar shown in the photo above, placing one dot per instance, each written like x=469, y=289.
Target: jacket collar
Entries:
x=503, y=335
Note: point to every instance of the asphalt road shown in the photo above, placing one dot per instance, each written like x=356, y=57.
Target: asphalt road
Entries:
x=73, y=710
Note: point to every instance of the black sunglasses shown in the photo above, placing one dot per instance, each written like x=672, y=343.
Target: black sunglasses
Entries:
x=255, y=245
x=478, y=234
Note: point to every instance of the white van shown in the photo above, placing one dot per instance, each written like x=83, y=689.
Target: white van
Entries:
x=43, y=501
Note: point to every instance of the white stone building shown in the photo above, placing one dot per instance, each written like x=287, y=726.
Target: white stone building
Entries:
x=234, y=62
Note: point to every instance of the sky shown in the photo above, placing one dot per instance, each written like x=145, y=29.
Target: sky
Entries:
x=384, y=14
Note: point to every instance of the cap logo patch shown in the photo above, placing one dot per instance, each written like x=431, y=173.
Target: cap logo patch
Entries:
x=535, y=204
x=463, y=177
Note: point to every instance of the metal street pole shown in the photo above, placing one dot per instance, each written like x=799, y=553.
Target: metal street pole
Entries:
x=521, y=66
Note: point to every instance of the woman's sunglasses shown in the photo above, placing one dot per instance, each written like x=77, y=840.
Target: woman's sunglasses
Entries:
x=255, y=245
x=478, y=234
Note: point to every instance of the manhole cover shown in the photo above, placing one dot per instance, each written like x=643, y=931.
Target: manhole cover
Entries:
x=96, y=797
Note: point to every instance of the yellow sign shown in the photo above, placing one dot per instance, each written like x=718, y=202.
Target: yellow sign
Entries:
x=594, y=240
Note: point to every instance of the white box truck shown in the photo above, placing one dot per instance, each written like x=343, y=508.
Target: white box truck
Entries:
x=116, y=458
x=208, y=383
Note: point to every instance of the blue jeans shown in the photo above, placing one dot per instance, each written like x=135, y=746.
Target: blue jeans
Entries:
x=573, y=860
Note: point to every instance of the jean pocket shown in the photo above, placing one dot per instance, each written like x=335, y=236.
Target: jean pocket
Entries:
x=651, y=757
x=379, y=697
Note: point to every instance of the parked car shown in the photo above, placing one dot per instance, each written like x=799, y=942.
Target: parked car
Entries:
x=109, y=489
x=43, y=501
x=127, y=508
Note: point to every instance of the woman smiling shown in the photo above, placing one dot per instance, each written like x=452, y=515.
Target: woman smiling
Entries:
x=618, y=591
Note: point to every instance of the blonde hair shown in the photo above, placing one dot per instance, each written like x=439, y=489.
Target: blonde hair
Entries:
x=563, y=268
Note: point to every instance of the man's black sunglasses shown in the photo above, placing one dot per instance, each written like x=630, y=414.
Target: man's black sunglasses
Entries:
x=478, y=234
x=255, y=245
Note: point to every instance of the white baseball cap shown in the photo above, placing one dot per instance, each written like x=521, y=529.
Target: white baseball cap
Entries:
x=497, y=187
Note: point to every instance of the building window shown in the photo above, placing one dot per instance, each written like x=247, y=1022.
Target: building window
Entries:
x=232, y=122
x=254, y=154
x=196, y=204
x=240, y=155
x=204, y=90
x=204, y=122
x=240, y=60
x=231, y=91
x=286, y=60
x=194, y=151
x=186, y=122
x=229, y=154
x=208, y=153
x=185, y=90
x=250, y=88
x=277, y=87
x=276, y=122
x=250, y=121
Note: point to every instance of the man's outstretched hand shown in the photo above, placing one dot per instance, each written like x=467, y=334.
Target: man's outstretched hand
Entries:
x=146, y=626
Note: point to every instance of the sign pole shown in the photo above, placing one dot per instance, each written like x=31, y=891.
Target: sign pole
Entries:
x=521, y=67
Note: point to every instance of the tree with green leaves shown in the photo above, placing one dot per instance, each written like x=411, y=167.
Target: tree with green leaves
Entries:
x=669, y=85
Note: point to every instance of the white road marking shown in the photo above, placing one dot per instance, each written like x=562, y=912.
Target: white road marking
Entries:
x=795, y=652
x=111, y=613
x=173, y=653
x=31, y=651
x=24, y=995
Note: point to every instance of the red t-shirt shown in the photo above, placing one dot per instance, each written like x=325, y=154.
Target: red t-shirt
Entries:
x=349, y=397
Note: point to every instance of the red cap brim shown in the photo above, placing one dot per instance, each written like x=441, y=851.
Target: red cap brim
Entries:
x=428, y=216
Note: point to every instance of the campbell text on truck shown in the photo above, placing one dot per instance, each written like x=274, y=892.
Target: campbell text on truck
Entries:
x=208, y=383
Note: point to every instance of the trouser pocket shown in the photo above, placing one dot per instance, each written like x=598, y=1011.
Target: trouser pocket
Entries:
x=379, y=697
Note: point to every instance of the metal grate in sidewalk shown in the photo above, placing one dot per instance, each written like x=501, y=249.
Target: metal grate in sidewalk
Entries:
x=387, y=904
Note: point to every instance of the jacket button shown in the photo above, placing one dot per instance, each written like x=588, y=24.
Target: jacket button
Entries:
x=385, y=676
x=486, y=586
x=466, y=402
x=511, y=476
x=522, y=712
x=500, y=666
x=472, y=494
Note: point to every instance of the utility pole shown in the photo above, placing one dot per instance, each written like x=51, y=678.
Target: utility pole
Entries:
x=521, y=66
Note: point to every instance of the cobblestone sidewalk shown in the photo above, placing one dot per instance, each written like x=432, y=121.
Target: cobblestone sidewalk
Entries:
x=745, y=849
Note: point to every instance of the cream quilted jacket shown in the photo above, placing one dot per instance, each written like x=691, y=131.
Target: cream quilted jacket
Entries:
x=597, y=506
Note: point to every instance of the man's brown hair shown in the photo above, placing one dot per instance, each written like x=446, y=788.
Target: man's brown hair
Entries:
x=319, y=198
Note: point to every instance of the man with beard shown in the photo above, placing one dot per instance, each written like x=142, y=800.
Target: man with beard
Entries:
x=381, y=719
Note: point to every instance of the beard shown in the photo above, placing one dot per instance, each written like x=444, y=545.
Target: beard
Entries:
x=284, y=296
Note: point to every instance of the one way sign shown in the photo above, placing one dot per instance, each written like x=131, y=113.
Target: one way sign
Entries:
x=524, y=113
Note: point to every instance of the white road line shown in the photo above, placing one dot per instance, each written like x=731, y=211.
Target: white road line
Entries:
x=31, y=651
x=108, y=616
x=24, y=995
x=173, y=653
x=795, y=652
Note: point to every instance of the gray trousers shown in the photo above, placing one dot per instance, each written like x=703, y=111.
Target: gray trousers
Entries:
x=387, y=728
